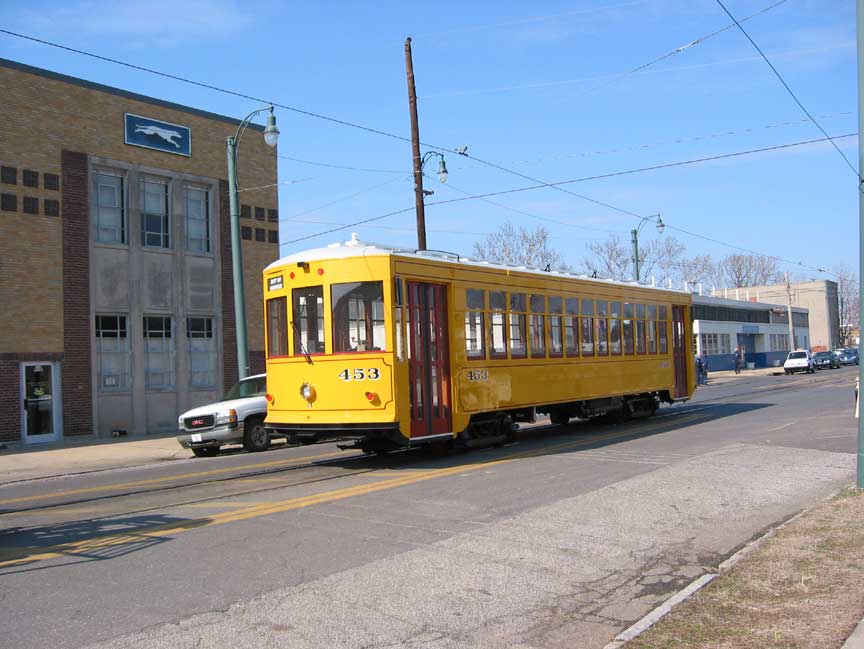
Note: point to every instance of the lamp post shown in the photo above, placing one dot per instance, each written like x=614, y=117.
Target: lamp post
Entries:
x=634, y=237
x=271, y=136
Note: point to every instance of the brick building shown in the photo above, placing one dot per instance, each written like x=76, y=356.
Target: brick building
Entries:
x=115, y=273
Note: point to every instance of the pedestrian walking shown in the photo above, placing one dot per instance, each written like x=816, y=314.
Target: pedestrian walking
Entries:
x=699, y=369
x=737, y=361
x=704, y=359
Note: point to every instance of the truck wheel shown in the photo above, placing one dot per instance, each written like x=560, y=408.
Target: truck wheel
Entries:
x=255, y=438
x=206, y=451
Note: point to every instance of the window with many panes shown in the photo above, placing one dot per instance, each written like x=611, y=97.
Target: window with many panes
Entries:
x=627, y=329
x=651, y=325
x=155, y=217
x=197, y=220
x=112, y=353
x=516, y=328
x=537, y=326
x=715, y=344
x=158, y=353
x=277, y=327
x=307, y=320
x=109, y=219
x=640, y=328
x=358, y=316
x=475, y=305
x=202, y=352
x=498, y=324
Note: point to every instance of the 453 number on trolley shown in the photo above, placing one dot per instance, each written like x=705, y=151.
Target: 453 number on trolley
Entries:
x=360, y=374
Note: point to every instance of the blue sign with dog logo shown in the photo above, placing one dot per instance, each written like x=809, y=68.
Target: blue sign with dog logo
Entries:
x=155, y=134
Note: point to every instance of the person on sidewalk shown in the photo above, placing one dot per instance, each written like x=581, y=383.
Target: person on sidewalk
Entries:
x=737, y=361
x=699, y=369
x=704, y=359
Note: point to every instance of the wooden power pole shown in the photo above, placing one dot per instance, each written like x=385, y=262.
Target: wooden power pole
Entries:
x=415, y=148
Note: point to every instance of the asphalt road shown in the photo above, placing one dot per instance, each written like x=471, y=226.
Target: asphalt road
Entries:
x=559, y=540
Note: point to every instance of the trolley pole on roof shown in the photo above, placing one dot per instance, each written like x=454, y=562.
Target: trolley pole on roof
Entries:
x=860, y=30
x=415, y=149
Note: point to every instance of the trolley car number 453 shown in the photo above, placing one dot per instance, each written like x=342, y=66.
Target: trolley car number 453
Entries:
x=359, y=374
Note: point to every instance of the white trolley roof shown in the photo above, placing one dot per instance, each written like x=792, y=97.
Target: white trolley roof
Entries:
x=356, y=248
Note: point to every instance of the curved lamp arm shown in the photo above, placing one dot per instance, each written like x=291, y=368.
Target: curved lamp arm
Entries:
x=271, y=133
x=442, y=166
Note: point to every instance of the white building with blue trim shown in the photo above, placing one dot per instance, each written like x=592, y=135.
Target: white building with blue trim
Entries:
x=722, y=326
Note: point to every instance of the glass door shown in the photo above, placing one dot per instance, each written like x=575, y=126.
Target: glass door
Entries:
x=39, y=417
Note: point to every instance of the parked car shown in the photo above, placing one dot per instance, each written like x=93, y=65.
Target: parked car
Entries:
x=799, y=361
x=847, y=356
x=237, y=419
x=823, y=360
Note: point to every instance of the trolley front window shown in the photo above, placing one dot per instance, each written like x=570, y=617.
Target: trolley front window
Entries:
x=308, y=320
x=277, y=327
x=358, y=317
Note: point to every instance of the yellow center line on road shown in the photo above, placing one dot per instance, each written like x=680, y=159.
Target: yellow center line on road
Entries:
x=181, y=476
x=24, y=555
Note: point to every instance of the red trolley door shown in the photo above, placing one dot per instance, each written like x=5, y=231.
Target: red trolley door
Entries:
x=679, y=351
x=428, y=359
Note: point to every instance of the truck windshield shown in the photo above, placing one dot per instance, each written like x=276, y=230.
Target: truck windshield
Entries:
x=255, y=386
x=358, y=317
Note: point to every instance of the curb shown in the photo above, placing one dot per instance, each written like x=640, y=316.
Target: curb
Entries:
x=856, y=640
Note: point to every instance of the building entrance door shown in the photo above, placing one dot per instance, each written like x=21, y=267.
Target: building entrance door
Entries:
x=40, y=416
x=429, y=360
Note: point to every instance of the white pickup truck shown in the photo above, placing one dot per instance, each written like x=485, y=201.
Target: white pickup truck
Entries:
x=238, y=419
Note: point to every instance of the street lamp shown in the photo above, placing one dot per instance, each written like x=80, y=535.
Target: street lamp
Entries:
x=271, y=136
x=634, y=236
x=420, y=192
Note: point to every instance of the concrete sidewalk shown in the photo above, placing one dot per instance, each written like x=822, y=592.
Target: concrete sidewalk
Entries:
x=85, y=456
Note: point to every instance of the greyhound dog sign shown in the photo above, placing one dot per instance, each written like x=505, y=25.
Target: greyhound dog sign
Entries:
x=155, y=134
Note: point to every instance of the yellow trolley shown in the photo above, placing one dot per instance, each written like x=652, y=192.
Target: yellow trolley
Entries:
x=397, y=347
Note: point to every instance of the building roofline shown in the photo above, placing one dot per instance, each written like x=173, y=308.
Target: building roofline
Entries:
x=56, y=76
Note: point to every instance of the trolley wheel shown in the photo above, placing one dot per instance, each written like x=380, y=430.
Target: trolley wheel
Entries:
x=256, y=438
x=559, y=418
x=205, y=451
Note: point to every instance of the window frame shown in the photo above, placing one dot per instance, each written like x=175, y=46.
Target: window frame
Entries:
x=207, y=239
x=164, y=233
x=97, y=207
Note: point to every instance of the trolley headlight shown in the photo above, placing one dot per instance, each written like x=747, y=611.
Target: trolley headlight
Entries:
x=307, y=391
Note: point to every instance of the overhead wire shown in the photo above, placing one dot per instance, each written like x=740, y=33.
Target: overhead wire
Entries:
x=791, y=93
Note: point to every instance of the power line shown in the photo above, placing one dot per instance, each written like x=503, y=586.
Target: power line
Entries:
x=789, y=90
x=608, y=175
x=293, y=217
x=666, y=165
x=281, y=182
x=347, y=168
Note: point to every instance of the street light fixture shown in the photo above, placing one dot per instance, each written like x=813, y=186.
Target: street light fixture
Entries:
x=271, y=137
x=634, y=236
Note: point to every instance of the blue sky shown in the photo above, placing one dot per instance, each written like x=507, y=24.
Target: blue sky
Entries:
x=535, y=87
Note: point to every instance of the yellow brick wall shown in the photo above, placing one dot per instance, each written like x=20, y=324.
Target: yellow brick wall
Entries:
x=39, y=117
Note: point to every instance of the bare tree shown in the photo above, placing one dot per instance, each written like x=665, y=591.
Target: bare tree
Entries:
x=738, y=271
x=848, y=302
x=609, y=258
x=520, y=247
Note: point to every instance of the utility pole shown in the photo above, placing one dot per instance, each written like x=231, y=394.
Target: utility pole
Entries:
x=415, y=148
x=634, y=239
x=860, y=30
x=789, y=311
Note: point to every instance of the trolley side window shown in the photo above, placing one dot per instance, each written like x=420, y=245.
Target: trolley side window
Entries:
x=556, y=345
x=627, y=328
x=571, y=326
x=497, y=324
x=640, y=328
x=615, y=328
x=662, y=335
x=651, y=325
x=307, y=314
x=358, y=317
x=277, y=327
x=537, y=326
x=518, y=344
x=399, y=319
x=475, y=305
x=602, y=344
x=587, y=321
